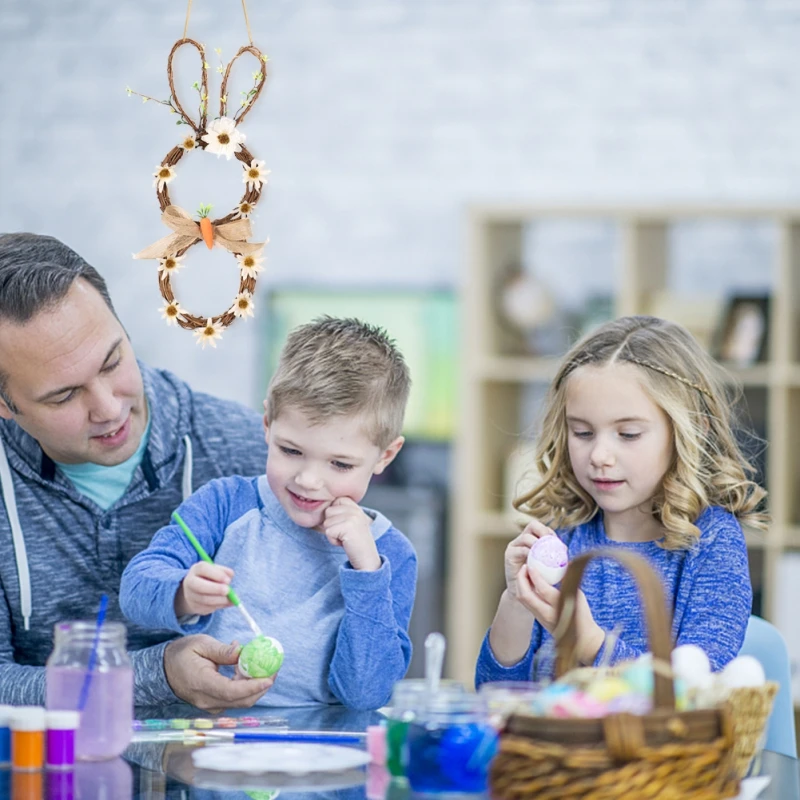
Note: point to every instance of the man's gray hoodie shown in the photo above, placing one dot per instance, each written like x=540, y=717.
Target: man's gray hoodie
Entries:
x=68, y=551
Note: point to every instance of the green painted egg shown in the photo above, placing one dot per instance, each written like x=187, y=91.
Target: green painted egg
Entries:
x=261, y=657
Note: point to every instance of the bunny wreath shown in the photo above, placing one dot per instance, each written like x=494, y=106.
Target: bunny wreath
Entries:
x=231, y=231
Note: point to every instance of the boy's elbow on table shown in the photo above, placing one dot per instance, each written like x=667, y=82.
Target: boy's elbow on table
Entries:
x=362, y=696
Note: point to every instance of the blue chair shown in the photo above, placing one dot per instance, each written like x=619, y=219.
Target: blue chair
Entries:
x=764, y=641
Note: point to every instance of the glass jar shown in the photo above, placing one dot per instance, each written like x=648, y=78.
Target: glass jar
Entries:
x=107, y=716
x=450, y=745
x=503, y=698
x=408, y=698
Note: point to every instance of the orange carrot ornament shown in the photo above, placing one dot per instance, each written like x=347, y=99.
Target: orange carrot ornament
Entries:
x=206, y=229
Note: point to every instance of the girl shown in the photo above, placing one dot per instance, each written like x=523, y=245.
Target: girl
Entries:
x=636, y=452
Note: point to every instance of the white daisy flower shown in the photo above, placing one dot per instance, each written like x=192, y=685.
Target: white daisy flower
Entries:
x=170, y=265
x=243, y=305
x=222, y=137
x=209, y=333
x=163, y=175
x=244, y=209
x=250, y=264
x=189, y=142
x=172, y=312
x=255, y=174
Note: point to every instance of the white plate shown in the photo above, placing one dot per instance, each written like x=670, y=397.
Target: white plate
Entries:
x=293, y=758
x=277, y=784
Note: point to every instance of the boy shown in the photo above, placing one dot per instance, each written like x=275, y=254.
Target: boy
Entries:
x=332, y=582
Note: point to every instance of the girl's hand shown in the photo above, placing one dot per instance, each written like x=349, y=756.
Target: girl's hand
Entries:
x=541, y=599
x=517, y=552
x=203, y=590
x=347, y=526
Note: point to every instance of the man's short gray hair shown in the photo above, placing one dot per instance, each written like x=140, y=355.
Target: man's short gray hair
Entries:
x=36, y=272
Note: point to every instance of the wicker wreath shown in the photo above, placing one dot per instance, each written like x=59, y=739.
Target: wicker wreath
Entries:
x=231, y=231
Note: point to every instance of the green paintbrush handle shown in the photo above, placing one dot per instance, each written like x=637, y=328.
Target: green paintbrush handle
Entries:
x=200, y=551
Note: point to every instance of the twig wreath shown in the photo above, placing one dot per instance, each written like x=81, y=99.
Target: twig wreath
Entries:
x=232, y=231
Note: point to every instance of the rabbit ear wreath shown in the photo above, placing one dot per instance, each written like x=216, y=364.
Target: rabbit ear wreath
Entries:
x=232, y=231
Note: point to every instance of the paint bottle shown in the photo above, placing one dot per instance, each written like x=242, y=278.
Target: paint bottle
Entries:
x=5, y=735
x=61, y=728
x=376, y=743
x=27, y=738
x=5, y=750
x=107, y=718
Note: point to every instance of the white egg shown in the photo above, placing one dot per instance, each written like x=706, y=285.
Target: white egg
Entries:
x=690, y=664
x=551, y=574
x=743, y=671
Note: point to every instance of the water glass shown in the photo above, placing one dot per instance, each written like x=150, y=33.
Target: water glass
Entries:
x=107, y=717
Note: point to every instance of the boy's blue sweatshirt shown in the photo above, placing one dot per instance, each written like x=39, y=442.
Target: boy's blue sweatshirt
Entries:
x=344, y=631
x=707, y=590
x=75, y=551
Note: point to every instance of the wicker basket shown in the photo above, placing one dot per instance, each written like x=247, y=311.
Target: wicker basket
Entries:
x=687, y=755
x=749, y=710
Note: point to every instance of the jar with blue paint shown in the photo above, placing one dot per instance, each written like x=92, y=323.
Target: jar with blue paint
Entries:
x=450, y=745
x=409, y=697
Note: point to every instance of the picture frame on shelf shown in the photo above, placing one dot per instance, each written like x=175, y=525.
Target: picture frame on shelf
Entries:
x=743, y=334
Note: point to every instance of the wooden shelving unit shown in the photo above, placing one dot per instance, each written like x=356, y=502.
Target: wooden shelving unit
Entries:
x=494, y=375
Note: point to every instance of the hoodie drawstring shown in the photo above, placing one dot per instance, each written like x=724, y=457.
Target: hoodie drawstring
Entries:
x=21, y=554
x=186, y=484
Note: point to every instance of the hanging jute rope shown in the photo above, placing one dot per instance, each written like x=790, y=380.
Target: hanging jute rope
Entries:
x=231, y=231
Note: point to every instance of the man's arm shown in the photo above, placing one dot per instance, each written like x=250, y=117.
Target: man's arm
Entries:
x=150, y=684
x=22, y=684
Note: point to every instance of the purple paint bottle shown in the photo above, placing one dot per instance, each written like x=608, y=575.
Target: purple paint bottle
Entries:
x=61, y=727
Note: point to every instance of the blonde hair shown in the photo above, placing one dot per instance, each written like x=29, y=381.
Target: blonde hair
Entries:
x=342, y=367
x=708, y=466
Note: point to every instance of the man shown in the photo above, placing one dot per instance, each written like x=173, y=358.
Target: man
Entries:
x=96, y=450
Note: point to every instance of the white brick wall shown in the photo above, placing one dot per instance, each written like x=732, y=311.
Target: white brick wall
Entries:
x=380, y=121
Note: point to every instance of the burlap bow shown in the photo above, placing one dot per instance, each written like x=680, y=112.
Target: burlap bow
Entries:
x=230, y=235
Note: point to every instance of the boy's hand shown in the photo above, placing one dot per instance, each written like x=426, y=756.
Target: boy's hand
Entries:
x=516, y=555
x=203, y=590
x=346, y=525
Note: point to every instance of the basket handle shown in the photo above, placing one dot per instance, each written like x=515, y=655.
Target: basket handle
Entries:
x=655, y=609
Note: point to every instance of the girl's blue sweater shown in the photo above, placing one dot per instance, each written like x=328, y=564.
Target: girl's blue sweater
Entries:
x=707, y=589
